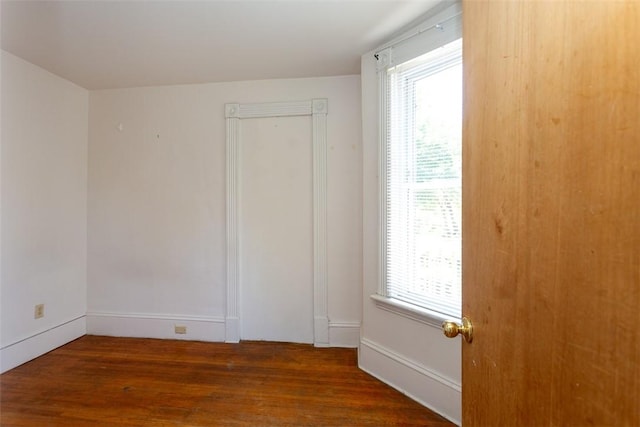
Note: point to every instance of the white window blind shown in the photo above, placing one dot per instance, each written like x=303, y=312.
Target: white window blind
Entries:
x=422, y=176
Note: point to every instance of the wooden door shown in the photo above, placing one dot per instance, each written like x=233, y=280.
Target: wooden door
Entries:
x=551, y=199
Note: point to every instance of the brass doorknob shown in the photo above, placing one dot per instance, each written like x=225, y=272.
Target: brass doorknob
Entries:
x=453, y=329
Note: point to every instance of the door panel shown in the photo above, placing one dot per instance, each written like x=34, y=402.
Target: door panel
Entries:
x=551, y=221
x=276, y=230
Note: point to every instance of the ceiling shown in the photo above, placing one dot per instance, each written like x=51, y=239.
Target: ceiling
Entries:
x=116, y=44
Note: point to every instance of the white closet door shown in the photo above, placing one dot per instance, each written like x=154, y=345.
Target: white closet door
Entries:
x=276, y=229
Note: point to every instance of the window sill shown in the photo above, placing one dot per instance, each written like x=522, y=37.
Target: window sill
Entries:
x=410, y=311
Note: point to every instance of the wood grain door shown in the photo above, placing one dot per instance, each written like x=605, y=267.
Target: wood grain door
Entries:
x=551, y=199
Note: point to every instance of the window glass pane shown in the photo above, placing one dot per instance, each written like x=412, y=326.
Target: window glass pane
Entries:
x=423, y=230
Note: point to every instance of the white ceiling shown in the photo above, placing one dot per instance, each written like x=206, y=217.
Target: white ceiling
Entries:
x=115, y=44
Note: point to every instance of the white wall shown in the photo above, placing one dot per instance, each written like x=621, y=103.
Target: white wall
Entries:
x=44, y=198
x=411, y=356
x=156, y=210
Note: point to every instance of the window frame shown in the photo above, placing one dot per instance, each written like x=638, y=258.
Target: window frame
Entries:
x=438, y=30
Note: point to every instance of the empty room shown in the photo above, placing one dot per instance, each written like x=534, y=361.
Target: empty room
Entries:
x=319, y=213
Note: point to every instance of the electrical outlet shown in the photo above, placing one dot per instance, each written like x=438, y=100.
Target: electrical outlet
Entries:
x=38, y=312
x=180, y=329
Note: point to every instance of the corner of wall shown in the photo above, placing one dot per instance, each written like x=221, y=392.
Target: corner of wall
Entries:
x=43, y=215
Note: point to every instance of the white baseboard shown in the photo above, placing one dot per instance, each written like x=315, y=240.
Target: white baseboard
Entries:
x=344, y=334
x=216, y=329
x=139, y=325
x=436, y=392
x=27, y=349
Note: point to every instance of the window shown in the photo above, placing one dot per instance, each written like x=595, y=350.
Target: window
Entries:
x=421, y=167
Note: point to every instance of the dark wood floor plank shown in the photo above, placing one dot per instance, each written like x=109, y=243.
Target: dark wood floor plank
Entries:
x=105, y=381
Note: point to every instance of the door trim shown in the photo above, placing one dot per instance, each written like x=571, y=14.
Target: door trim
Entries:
x=234, y=114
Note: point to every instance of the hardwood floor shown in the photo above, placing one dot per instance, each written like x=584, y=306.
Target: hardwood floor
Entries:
x=105, y=381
